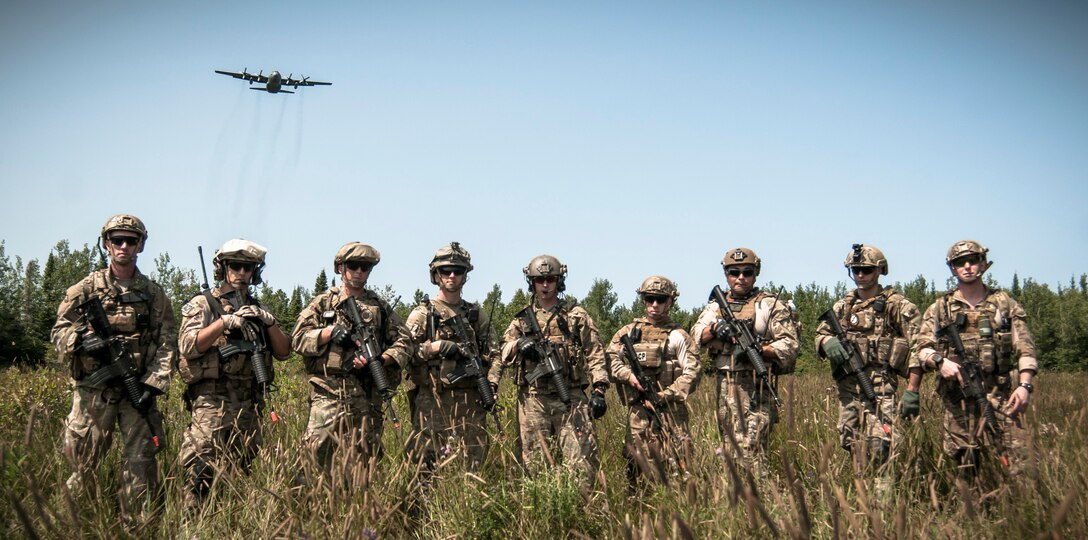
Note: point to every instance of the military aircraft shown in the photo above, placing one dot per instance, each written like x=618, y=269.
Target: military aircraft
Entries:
x=274, y=83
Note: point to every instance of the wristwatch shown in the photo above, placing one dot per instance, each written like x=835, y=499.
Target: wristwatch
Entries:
x=1029, y=386
x=937, y=361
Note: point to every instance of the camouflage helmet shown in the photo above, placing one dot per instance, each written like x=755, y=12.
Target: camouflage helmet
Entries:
x=124, y=222
x=238, y=249
x=658, y=285
x=355, y=251
x=451, y=254
x=863, y=255
x=964, y=248
x=545, y=265
x=739, y=256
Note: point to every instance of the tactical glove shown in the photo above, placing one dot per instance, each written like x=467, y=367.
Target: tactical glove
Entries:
x=232, y=322
x=722, y=331
x=597, y=404
x=341, y=336
x=911, y=404
x=448, y=349
x=835, y=352
x=147, y=398
x=527, y=348
x=92, y=343
x=256, y=312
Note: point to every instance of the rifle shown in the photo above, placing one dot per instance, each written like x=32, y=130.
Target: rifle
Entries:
x=119, y=363
x=648, y=394
x=973, y=386
x=856, y=368
x=471, y=366
x=370, y=350
x=746, y=341
x=253, y=348
x=551, y=361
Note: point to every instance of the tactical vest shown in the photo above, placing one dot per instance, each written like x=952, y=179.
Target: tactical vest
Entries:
x=338, y=360
x=653, y=354
x=870, y=327
x=986, y=333
x=130, y=318
x=213, y=364
x=440, y=326
x=564, y=330
x=745, y=312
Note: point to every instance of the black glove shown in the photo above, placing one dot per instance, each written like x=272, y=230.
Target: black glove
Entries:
x=527, y=348
x=448, y=349
x=597, y=404
x=341, y=336
x=147, y=398
x=722, y=331
x=92, y=343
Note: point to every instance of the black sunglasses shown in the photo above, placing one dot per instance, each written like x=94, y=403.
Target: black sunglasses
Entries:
x=747, y=272
x=654, y=299
x=858, y=270
x=969, y=259
x=122, y=240
x=545, y=279
x=357, y=266
x=447, y=270
x=239, y=266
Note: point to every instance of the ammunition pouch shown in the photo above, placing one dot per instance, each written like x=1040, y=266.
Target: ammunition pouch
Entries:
x=898, y=356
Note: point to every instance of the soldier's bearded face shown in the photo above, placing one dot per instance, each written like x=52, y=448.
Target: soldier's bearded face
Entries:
x=451, y=281
x=125, y=253
x=741, y=279
x=239, y=275
x=356, y=279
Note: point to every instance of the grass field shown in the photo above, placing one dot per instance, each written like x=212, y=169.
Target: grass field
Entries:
x=812, y=492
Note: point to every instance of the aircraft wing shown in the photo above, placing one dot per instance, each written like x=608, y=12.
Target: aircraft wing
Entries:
x=245, y=76
x=305, y=81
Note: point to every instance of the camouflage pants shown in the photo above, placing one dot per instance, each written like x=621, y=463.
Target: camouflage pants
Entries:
x=544, y=419
x=223, y=431
x=746, y=413
x=445, y=422
x=88, y=434
x=966, y=437
x=856, y=422
x=653, y=450
x=346, y=416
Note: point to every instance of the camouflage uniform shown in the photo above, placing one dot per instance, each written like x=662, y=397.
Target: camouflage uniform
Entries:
x=744, y=410
x=996, y=329
x=446, y=416
x=343, y=407
x=670, y=357
x=141, y=317
x=221, y=394
x=881, y=329
x=542, y=416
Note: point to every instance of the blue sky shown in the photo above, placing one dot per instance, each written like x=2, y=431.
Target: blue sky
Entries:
x=626, y=138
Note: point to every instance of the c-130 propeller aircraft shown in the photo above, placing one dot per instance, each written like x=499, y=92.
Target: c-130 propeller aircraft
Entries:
x=274, y=83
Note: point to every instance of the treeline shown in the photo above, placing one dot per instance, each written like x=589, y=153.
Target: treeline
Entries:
x=30, y=293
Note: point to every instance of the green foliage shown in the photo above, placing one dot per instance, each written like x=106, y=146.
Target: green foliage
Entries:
x=321, y=284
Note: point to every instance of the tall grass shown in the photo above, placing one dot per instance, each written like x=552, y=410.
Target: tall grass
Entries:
x=814, y=488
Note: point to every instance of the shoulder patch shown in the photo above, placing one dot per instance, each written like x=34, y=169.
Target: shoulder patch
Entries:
x=189, y=309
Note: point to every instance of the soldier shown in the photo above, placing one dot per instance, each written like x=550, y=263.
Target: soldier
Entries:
x=345, y=403
x=972, y=335
x=746, y=411
x=448, y=417
x=554, y=369
x=880, y=323
x=114, y=331
x=224, y=334
x=669, y=361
